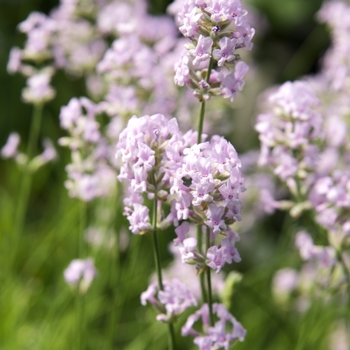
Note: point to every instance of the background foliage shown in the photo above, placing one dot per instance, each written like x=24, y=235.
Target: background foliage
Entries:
x=37, y=308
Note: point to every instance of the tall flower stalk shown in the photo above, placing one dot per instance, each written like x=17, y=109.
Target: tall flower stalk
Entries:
x=143, y=148
x=27, y=173
x=211, y=66
x=295, y=142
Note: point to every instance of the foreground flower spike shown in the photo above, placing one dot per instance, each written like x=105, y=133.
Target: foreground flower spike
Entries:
x=91, y=173
x=206, y=190
x=151, y=149
x=224, y=333
x=202, y=182
x=80, y=274
x=217, y=29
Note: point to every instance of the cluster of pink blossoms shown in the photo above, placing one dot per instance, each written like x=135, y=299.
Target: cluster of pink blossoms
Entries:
x=336, y=62
x=201, y=182
x=330, y=198
x=217, y=29
x=135, y=79
x=151, y=149
x=289, y=131
x=92, y=171
x=297, y=142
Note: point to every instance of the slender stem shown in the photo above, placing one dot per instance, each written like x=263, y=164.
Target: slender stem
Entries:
x=25, y=185
x=118, y=206
x=202, y=109
x=210, y=67
x=27, y=175
x=200, y=122
x=201, y=275
x=203, y=290
x=80, y=305
x=210, y=297
x=81, y=246
x=81, y=252
x=114, y=271
x=171, y=336
x=34, y=130
x=199, y=239
x=199, y=140
x=155, y=243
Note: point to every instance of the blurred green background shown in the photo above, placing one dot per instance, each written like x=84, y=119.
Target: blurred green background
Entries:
x=37, y=309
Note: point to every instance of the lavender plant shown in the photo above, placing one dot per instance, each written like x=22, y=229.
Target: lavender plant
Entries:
x=303, y=138
x=177, y=184
x=201, y=181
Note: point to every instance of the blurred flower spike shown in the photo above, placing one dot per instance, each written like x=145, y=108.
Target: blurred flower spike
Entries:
x=216, y=30
x=80, y=273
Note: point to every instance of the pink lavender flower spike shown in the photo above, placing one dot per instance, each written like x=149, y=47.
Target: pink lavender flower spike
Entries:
x=80, y=274
x=39, y=29
x=151, y=149
x=210, y=173
x=217, y=29
x=290, y=130
x=92, y=172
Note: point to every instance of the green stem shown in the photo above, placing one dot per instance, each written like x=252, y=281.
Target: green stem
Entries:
x=200, y=122
x=210, y=296
x=81, y=247
x=27, y=175
x=80, y=319
x=25, y=185
x=202, y=109
x=155, y=243
x=207, y=297
x=201, y=275
x=115, y=271
x=171, y=336
x=81, y=252
x=34, y=130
